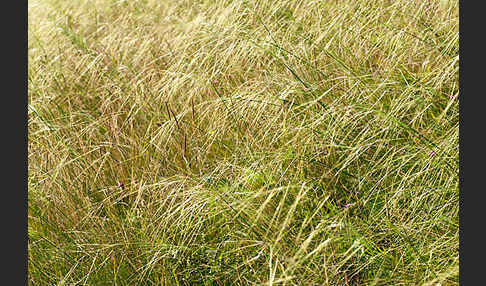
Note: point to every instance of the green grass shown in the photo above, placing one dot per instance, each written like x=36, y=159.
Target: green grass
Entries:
x=243, y=142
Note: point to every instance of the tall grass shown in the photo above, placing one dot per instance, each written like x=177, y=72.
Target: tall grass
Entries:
x=243, y=142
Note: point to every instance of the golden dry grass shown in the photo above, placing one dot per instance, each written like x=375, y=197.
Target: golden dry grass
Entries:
x=243, y=142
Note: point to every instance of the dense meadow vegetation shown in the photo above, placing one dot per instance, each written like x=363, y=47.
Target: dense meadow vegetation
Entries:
x=245, y=142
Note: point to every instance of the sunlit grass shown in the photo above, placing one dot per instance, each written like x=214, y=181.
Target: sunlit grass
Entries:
x=243, y=142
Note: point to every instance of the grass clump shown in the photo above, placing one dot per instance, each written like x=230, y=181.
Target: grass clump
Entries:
x=243, y=142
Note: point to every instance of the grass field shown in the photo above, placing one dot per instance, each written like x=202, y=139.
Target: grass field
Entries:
x=245, y=142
